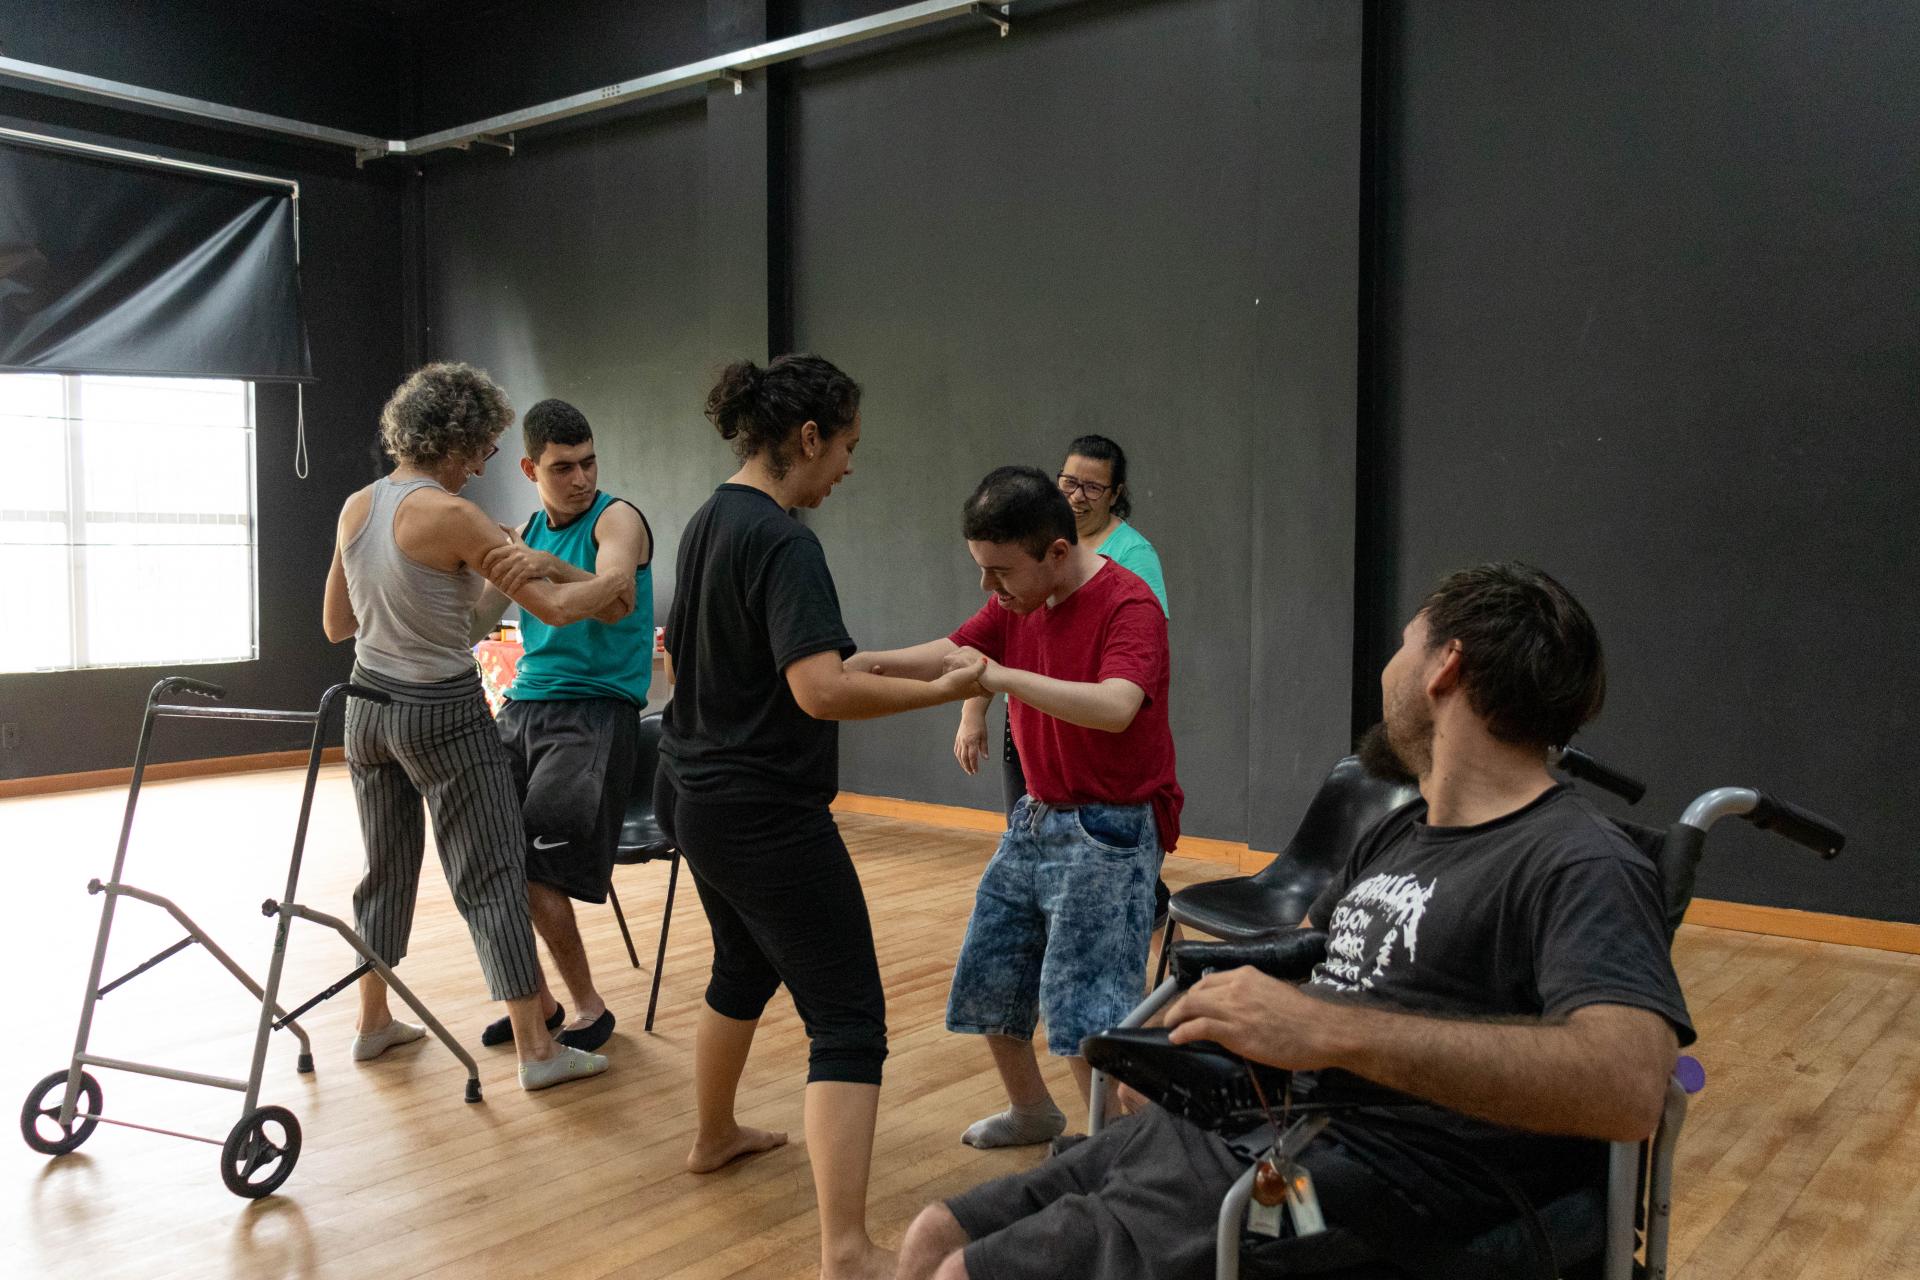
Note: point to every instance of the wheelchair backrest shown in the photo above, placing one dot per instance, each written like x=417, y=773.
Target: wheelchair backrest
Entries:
x=1675, y=853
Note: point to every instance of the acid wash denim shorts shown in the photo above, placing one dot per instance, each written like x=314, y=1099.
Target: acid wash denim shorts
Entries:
x=1061, y=925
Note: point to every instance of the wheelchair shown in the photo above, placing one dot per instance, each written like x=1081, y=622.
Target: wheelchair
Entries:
x=1619, y=1236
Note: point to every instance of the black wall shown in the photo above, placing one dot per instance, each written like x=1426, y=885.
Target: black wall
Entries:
x=262, y=57
x=1117, y=220
x=600, y=264
x=1628, y=291
x=1137, y=218
x=1646, y=298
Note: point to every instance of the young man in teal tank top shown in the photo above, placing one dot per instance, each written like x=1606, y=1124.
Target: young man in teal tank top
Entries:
x=572, y=716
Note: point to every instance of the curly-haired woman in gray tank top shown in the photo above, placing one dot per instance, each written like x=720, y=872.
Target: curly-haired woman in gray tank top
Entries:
x=406, y=576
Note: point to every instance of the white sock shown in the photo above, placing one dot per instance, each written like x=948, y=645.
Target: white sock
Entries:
x=567, y=1064
x=1017, y=1127
x=373, y=1044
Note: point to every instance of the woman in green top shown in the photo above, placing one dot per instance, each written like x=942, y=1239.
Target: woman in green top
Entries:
x=1094, y=478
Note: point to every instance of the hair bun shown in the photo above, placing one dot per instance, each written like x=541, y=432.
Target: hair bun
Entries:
x=734, y=400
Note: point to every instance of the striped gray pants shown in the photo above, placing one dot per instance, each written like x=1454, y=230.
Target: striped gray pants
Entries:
x=438, y=741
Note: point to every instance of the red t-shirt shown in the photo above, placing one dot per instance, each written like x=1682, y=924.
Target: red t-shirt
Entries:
x=1111, y=627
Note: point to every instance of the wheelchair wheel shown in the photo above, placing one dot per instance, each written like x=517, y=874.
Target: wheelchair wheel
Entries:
x=260, y=1153
x=40, y=1123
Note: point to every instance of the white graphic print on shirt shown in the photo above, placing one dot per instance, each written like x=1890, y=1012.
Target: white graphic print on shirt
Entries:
x=1396, y=902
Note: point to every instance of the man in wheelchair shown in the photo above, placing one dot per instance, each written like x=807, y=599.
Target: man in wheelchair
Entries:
x=1496, y=993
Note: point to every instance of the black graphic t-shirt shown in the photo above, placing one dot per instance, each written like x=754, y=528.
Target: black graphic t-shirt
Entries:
x=1534, y=915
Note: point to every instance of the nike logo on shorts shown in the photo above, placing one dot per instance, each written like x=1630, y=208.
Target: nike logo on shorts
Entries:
x=541, y=842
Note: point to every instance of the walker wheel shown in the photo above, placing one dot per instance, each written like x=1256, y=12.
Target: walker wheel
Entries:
x=40, y=1124
x=260, y=1153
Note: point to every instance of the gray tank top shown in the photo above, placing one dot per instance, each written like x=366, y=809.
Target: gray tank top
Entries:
x=413, y=620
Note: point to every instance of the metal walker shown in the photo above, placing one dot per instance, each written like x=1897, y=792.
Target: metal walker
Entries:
x=259, y=1152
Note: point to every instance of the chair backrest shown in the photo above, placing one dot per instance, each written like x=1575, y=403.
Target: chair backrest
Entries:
x=1350, y=801
x=646, y=760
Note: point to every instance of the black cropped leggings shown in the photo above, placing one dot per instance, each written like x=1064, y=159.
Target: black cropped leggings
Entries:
x=786, y=906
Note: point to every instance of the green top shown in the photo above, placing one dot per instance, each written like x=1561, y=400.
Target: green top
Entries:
x=588, y=659
x=1126, y=548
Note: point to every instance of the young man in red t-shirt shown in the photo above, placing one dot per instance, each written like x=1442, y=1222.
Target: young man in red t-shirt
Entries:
x=1063, y=917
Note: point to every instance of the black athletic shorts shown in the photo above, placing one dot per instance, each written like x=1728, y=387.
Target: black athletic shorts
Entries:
x=574, y=760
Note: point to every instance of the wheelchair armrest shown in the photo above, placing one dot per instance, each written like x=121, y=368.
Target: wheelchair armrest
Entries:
x=1289, y=956
x=1202, y=1082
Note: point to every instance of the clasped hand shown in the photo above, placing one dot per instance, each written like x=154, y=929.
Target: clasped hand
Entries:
x=967, y=657
x=513, y=564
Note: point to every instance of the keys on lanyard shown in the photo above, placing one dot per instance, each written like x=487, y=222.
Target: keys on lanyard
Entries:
x=1281, y=1182
x=1287, y=1182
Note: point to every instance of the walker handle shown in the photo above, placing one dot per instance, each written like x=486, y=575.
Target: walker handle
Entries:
x=1802, y=826
x=186, y=684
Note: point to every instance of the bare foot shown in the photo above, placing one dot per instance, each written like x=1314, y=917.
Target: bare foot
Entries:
x=874, y=1264
x=708, y=1156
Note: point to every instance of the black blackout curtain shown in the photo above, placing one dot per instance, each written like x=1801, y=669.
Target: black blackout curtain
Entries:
x=114, y=267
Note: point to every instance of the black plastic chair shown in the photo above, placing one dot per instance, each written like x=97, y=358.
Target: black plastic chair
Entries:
x=642, y=840
x=1277, y=896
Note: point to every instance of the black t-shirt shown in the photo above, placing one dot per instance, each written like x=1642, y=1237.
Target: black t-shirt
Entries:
x=1534, y=915
x=753, y=597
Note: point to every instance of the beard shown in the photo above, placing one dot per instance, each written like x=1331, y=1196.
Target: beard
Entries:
x=1380, y=760
x=1400, y=747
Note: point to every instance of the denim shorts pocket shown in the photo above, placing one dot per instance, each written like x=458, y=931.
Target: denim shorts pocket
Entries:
x=1114, y=827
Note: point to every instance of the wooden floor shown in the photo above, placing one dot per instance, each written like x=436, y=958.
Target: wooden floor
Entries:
x=1801, y=1159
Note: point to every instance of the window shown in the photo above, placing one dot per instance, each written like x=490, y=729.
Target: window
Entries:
x=126, y=521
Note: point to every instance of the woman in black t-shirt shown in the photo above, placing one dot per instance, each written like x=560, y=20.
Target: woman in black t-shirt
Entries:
x=749, y=763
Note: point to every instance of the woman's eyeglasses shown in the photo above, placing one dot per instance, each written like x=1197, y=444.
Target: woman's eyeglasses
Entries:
x=1091, y=490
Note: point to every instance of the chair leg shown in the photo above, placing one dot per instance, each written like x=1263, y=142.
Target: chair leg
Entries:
x=621, y=916
x=1166, y=952
x=660, y=956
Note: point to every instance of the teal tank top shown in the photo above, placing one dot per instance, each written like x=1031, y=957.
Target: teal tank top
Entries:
x=588, y=659
x=1126, y=547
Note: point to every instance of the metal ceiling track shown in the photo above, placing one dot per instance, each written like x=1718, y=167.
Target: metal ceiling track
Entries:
x=499, y=130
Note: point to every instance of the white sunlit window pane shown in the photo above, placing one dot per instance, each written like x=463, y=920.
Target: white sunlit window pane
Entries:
x=38, y=634
x=171, y=402
x=35, y=475
x=34, y=395
x=158, y=604
x=33, y=438
x=153, y=532
x=166, y=445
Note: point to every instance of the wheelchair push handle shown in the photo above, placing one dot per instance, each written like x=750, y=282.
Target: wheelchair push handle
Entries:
x=187, y=684
x=1802, y=826
x=1577, y=763
x=1769, y=813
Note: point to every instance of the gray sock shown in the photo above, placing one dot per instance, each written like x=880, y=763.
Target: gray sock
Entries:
x=567, y=1064
x=1017, y=1127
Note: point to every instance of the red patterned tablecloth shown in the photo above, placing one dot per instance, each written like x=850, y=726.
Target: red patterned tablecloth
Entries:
x=497, y=660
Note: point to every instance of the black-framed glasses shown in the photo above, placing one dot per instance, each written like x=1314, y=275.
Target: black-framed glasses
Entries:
x=491, y=450
x=1091, y=490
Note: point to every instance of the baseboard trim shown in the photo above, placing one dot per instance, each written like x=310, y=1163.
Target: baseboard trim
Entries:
x=1809, y=926
x=1739, y=917
x=162, y=771
x=993, y=822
